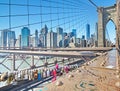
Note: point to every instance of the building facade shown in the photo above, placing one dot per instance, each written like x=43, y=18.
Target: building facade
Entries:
x=11, y=39
x=59, y=30
x=60, y=37
x=51, y=40
x=74, y=32
x=18, y=42
x=25, y=33
x=8, y=39
x=4, y=38
x=36, y=39
x=87, y=32
x=43, y=36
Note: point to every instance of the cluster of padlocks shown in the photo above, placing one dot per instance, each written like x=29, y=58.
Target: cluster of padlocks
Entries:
x=32, y=74
x=25, y=75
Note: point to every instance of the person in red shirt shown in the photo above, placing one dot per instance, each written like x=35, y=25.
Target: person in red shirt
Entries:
x=56, y=66
x=54, y=75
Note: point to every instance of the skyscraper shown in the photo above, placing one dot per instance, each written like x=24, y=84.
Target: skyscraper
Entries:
x=60, y=37
x=87, y=32
x=74, y=32
x=4, y=38
x=18, y=42
x=33, y=40
x=59, y=30
x=44, y=30
x=70, y=34
x=92, y=40
x=25, y=33
x=60, y=40
x=42, y=40
x=83, y=37
x=43, y=36
x=83, y=41
x=51, y=40
x=11, y=39
x=74, y=35
x=36, y=38
x=8, y=38
x=64, y=34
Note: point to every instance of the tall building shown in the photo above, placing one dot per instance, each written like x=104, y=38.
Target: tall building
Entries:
x=43, y=36
x=33, y=40
x=77, y=44
x=36, y=38
x=64, y=34
x=83, y=37
x=25, y=33
x=42, y=40
x=60, y=40
x=59, y=30
x=44, y=30
x=66, y=42
x=4, y=38
x=8, y=38
x=92, y=40
x=83, y=41
x=18, y=42
x=74, y=32
x=73, y=39
x=78, y=40
x=70, y=34
x=51, y=40
x=60, y=37
x=87, y=32
x=11, y=38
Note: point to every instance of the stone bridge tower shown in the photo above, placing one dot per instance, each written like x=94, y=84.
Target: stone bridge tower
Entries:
x=104, y=15
x=118, y=44
x=118, y=24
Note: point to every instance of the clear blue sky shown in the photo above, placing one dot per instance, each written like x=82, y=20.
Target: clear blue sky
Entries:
x=70, y=14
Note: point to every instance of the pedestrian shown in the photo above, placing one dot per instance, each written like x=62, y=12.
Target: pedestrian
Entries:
x=54, y=75
x=57, y=66
x=39, y=74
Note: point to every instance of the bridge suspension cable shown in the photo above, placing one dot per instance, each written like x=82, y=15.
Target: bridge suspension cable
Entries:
x=107, y=35
x=28, y=14
x=93, y=3
x=64, y=13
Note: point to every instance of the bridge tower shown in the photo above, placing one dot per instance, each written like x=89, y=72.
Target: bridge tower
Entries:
x=118, y=43
x=118, y=24
x=104, y=16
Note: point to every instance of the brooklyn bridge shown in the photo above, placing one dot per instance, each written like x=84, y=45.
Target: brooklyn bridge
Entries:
x=73, y=49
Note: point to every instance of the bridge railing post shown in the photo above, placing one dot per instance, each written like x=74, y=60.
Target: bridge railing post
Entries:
x=32, y=59
x=13, y=62
x=118, y=68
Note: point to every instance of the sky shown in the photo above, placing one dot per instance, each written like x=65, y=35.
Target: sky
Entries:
x=68, y=14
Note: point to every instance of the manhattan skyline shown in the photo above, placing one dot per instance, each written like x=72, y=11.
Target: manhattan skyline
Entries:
x=40, y=14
